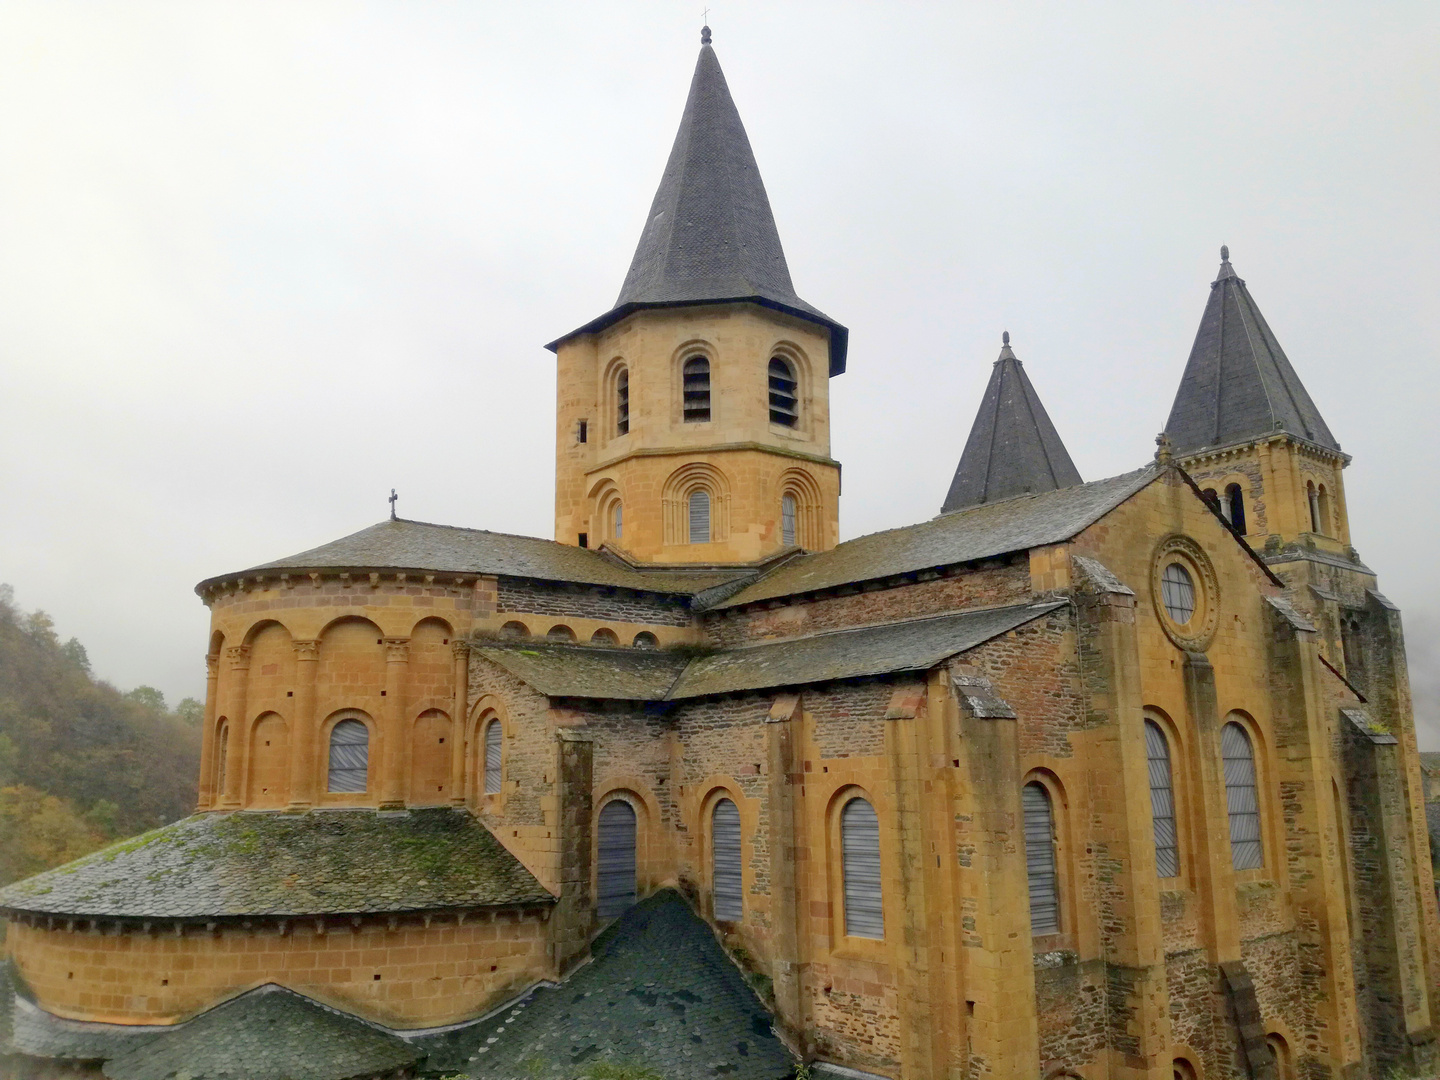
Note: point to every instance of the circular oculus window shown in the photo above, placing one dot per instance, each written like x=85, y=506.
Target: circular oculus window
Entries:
x=1185, y=592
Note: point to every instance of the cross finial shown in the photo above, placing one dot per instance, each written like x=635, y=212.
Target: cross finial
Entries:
x=1224, y=252
x=705, y=29
x=1005, y=338
x=393, y=500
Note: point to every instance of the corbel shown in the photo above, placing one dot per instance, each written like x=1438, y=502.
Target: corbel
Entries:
x=400, y=579
x=314, y=576
x=319, y=927
x=345, y=580
x=374, y=581
x=286, y=582
x=179, y=928
x=355, y=924
x=394, y=923
x=429, y=580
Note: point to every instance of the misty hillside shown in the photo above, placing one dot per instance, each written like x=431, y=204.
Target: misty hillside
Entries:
x=81, y=764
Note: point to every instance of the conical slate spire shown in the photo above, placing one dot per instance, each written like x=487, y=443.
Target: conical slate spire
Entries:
x=1013, y=447
x=1238, y=384
x=710, y=236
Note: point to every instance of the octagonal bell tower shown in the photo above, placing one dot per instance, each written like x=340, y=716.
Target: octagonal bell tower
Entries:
x=693, y=418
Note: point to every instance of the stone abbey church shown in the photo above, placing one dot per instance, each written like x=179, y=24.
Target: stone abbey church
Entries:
x=1107, y=779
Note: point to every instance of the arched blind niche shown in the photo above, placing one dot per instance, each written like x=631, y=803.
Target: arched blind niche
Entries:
x=616, y=859
x=349, y=756
x=493, y=759
x=725, y=861
x=1040, y=859
x=1162, y=802
x=1241, y=797
x=860, y=866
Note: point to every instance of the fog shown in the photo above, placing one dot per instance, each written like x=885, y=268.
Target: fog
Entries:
x=259, y=263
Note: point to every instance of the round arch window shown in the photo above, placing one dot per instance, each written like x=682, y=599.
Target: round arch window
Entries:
x=1177, y=593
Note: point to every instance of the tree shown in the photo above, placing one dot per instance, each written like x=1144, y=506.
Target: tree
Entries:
x=76, y=654
x=190, y=711
x=149, y=697
x=38, y=831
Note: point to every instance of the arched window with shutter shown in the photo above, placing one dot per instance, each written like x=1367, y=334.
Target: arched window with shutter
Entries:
x=787, y=520
x=860, y=868
x=1040, y=859
x=615, y=859
x=725, y=861
x=494, y=760
x=699, y=508
x=784, y=393
x=617, y=521
x=622, y=402
x=1162, y=801
x=695, y=378
x=1241, y=797
x=349, y=757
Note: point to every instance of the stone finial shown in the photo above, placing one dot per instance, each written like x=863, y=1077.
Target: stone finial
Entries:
x=1164, y=449
x=1005, y=338
x=1224, y=252
x=704, y=35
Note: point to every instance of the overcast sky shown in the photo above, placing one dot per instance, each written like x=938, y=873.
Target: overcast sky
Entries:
x=259, y=263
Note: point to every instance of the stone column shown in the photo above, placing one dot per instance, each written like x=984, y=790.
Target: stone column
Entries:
x=780, y=737
x=573, y=918
x=392, y=724
x=1214, y=870
x=207, y=735
x=460, y=651
x=304, y=767
x=237, y=658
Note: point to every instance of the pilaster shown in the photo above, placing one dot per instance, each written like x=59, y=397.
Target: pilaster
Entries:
x=393, y=733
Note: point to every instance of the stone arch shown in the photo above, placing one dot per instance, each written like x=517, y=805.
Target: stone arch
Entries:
x=604, y=636
x=647, y=816
x=809, y=508
x=607, y=510
x=723, y=791
x=489, y=709
x=327, y=730
x=430, y=746
x=1065, y=876
x=270, y=676
x=560, y=632
x=675, y=499
x=615, y=397
x=515, y=630
x=694, y=349
x=267, y=780
x=835, y=860
x=350, y=670
x=803, y=371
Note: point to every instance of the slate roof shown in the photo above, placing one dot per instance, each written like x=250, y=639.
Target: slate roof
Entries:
x=398, y=544
x=39, y=1034
x=1013, y=448
x=710, y=236
x=979, y=532
x=1238, y=384
x=659, y=993
x=562, y=670
x=269, y=1033
x=276, y=864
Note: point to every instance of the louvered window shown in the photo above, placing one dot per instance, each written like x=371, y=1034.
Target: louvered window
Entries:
x=349, y=756
x=725, y=851
x=1177, y=593
x=699, y=517
x=493, y=758
x=1040, y=860
x=1162, y=802
x=787, y=520
x=1235, y=503
x=784, y=402
x=622, y=402
x=860, y=855
x=1241, y=797
x=696, y=379
x=616, y=858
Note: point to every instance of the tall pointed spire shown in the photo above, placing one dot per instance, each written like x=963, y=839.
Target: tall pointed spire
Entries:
x=1238, y=384
x=1013, y=447
x=710, y=236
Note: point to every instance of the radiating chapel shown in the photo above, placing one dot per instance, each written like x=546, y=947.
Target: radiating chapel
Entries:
x=1105, y=779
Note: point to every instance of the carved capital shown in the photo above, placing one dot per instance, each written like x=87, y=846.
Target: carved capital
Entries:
x=239, y=657
x=397, y=650
x=459, y=649
x=307, y=650
x=212, y=665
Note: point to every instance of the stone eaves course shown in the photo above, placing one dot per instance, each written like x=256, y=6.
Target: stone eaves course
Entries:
x=324, y=862
x=563, y=670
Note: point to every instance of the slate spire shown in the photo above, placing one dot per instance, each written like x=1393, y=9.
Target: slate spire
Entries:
x=1013, y=447
x=710, y=236
x=1238, y=384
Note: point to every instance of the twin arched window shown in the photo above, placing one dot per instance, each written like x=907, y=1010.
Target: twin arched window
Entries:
x=1040, y=862
x=493, y=756
x=349, y=757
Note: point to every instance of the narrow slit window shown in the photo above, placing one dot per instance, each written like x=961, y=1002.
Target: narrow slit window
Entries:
x=349, y=757
x=618, y=522
x=492, y=757
x=1241, y=797
x=1235, y=503
x=699, y=517
x=622, y=402
x=1314, y=498
x=784, y=397
x=860, y=865
x=726, y=861
x=1040, y=860
x=696, y=390
x=582, y=431
x=787, y=520
x=1162, y=802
